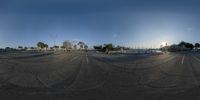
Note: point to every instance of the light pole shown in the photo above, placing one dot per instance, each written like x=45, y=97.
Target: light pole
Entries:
x=54, y=36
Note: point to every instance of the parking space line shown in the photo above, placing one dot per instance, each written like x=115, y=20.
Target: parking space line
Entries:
x=73, y=58
x=194, y=72
x=87, y=58
x=194, y=78
x=183, y=59
x=43, y=83
x=196, y=58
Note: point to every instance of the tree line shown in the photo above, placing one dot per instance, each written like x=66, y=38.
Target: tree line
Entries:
x=108, y=47
x=182, y=46
x=67, y=45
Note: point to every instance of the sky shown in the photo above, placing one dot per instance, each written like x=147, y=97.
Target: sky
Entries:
x=132, y=23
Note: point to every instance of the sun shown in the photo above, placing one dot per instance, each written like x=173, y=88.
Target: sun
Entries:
x=164, y=44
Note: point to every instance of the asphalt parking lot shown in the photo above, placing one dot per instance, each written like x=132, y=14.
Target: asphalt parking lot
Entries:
x=90, y=76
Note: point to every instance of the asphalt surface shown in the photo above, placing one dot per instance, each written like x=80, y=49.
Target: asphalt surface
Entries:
x=90, y=76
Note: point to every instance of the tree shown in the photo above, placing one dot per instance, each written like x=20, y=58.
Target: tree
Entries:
x=98, y=47
x=62, y=47
x=108, y=47
x=46, y=45
x=197, y=45
x=190, y=46
x=40, y=45
x=55, y=46
x=81, y=44
x=186, y=45
x=75, y=46
x=119, y=47
x=67, y=44
x=85, y=47
x=20, y=47
x=182, y=44
x=7, y=49
x=25, y=48
x=32, y=48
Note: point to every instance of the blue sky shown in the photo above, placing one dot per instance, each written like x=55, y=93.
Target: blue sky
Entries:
x=140, y=23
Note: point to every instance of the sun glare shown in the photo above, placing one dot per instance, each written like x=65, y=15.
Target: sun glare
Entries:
x=164, y=43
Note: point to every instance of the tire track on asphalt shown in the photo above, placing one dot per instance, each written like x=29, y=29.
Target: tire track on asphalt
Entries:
x=11, y=69
x=150, y=84
x=120, y=77
x=37, y=77
x=173, y=74
x=59, y=87
x=169, y=74
x=57, y=90
x=34, y=66
x=55, y=57
x=70, y=79
x=91, y=67
x=195, y=75
x=124, y=68
x=16, y=70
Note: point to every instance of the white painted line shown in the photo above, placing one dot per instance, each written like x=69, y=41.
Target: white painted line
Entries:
x=196, y=58
x=73, y=58
x=193, y=75
x=43, y=83
x=183, y=59
x=87, y=58
x=194, y=78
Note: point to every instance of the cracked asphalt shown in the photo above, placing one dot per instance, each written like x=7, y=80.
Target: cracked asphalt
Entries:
x=80, y=75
